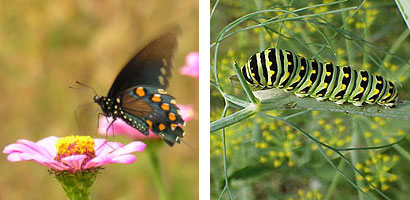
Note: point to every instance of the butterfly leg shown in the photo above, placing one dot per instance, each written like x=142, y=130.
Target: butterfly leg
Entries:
x=109, y=126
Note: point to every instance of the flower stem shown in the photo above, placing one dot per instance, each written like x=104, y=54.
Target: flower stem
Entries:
x=158, y=178
x=77, y=186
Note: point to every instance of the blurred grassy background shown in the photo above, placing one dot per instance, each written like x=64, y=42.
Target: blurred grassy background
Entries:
x=46, y=46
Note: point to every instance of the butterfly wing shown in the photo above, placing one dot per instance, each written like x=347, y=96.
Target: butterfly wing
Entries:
x=151, y=66
x=156, y=109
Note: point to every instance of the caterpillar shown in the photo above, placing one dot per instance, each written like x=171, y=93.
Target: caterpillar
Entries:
x=276, y=68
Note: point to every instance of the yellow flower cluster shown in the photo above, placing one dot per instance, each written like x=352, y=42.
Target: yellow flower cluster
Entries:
x=277, y=144
x=377, y=171
x=308, y=195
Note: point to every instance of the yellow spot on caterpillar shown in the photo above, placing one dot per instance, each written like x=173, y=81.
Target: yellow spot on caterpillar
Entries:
x=302, y=67
x=361, y=89
x=290, y=88
x=388, y=94
x=371, y=100
x=356, y=99
x=343, y=87
x=379, y=82
x=376, y=91
x=338, y=97
x=313, y=71
x=346, y=75
x=271, y=73
x=253, y=74
x=156, y=98
x=310, y=83
x=161, y=127
x=287, y=75
x=289, y=63
x=140, y=91
x=149, y=122
x=125, y=116
x=364, y=78
x=165, y=106
x=319, y=95
x=328, y=73
x=298, y=79
x=325, y=85
x=172, y=117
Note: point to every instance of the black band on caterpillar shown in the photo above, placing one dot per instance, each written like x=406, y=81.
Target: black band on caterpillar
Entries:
x=275, y=68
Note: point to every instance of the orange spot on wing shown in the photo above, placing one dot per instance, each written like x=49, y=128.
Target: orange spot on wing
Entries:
x=161, y=127
x=140, y=91
x=165, y=106
x=172, y=117
x=149, y=122
x=156, y=98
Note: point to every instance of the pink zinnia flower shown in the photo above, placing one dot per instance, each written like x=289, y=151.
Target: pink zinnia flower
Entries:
x=73, y=153
x=121, y=128
x=191, y=67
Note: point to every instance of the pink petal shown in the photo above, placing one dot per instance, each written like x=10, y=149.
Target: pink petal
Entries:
x=34, y=148
x=132, y=147
x=49, y=143
x=108, y=148
x=99, y=161
x=187, y=112
x=191, y=67
x=74, y=162
x=125, y=159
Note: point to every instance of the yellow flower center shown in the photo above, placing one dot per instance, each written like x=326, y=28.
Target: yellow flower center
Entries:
x=75, y=145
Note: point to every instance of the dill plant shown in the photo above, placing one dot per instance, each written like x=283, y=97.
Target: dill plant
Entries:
x=266, y=149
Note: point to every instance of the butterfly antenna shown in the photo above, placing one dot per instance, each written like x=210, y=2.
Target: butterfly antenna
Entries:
x=87, y=86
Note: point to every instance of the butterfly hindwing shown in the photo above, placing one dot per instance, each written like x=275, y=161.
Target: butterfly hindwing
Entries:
x=157, y=108
x=151, y=66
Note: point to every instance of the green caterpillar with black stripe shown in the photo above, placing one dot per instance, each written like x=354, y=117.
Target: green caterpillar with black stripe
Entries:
x=276, y=68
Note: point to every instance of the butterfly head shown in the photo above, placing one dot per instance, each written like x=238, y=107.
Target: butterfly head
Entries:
x=98, y=99
x=105, y=103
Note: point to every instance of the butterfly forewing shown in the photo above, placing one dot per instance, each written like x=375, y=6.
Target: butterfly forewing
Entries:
x=151, y=66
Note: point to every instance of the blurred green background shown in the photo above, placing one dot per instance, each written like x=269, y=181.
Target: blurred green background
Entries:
x=48, y=45
x=267, y=158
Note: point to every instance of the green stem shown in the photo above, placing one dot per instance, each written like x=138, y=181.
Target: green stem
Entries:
x=158, y=178
x=402, y=151
x=355, y=159
x=335, y=180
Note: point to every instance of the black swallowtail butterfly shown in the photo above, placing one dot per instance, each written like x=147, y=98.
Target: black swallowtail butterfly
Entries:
x=137, y=95
x=306, y=77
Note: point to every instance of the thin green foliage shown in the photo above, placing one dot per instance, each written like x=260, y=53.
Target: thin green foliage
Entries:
x=328, y=35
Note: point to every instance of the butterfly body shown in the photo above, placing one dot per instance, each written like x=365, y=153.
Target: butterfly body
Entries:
x=137, y=95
